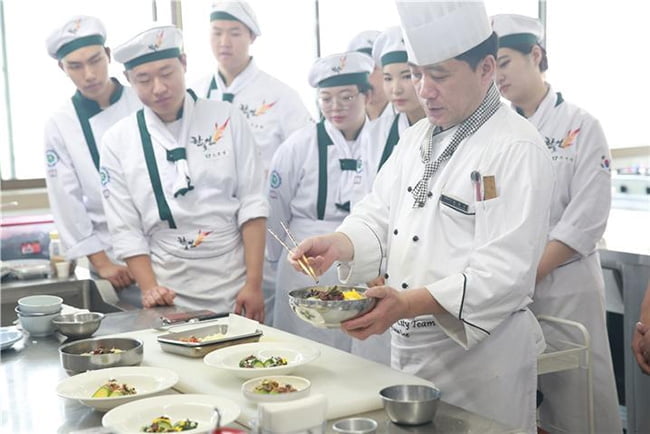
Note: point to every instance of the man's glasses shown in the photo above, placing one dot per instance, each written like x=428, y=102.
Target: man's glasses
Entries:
x=344, y=101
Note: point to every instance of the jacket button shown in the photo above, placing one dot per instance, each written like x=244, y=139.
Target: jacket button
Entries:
x=404, y=285
x=395, y=232
x=386, y=276
x=409, y=189
x=415, y=238
x=429, y=194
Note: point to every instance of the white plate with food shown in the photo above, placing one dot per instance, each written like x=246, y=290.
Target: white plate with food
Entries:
x=276, y=388
x=9, y=336
x=262, y=358
x=195, y=412
x=105, y=389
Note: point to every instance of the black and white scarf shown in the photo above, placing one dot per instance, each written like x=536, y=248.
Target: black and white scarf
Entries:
x=488, y=107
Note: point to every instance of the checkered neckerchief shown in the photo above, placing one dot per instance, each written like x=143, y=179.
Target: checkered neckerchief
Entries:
x=488, y=107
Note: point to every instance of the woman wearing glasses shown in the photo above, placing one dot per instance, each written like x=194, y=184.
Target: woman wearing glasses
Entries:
x=316, y=175
x=389, y=52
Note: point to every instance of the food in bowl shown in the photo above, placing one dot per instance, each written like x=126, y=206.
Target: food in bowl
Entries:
x=329, y=306
x=330, y=293
x=268, y=387
x=112, y=388
x=102, y=350
x=164, y=424
x=99, y=353
x=253, y=362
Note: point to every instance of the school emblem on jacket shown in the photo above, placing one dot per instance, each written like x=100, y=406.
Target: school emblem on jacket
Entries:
x=556, y=144
x=605, y=163
x=252, y=112
x=104, y=176
x=276, y=179
x=341, y=66
x=196, y=242
x=158, y=42
x=51, y=157
x=219, y=130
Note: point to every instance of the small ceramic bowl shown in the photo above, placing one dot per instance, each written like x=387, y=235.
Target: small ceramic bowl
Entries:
x=37, y=324
x=40, y=304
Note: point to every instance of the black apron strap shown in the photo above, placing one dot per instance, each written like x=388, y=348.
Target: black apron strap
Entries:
x=163, y=208
x=87, y=131
x=391, y=141
x=324, y=140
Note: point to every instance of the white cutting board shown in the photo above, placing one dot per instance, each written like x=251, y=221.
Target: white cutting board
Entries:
x=351, y=384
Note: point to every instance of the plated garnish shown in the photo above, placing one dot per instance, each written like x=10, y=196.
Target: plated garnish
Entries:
x=164, y=424
x=253, y=362
x=271, y=387
x=195, y=339
x=112, y=389
x=333, y=293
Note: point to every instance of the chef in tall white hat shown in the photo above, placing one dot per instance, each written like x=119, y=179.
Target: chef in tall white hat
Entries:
x=317, y=176
x=389, y=52
x=73, y=137
x=459, y=212
x=569, y=278
x=377, y=106
x=183, y=187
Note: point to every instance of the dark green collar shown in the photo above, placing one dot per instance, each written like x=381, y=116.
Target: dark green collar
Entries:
x=89, y=107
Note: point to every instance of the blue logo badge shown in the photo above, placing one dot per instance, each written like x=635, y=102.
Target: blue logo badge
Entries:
x=104, y=176
x=276, y=179
x=52, y=157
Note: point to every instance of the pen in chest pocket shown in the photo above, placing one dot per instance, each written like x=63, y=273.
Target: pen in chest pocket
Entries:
x=475, y=176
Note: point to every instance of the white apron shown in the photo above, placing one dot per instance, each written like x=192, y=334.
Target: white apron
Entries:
x=72, y=176
x=193, y=238
x=575, y=291
x=477, y=258
x=300, y=196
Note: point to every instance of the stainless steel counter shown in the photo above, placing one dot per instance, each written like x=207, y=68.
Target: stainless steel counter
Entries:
x=30, y=371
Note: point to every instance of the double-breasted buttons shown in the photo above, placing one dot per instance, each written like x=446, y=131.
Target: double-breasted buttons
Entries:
x=405, y=285
x=429, y=194
x=409, y=189
x=415, y=238
x=385, y=275
x=395, y=232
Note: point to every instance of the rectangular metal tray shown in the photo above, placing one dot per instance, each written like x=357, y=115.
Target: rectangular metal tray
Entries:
x=172, y=343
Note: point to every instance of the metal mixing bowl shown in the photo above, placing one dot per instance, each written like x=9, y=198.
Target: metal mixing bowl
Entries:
x=74, y=362
x=410, y=404
x=331, y=313
x=78, y=325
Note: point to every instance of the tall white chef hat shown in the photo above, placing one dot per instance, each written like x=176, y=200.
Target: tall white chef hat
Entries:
x=389, y=47
x=436, y=31
x=514, y=30
x=363, y=42
x=236, y=11
x=341, y=69
x=156, y=43
x=79, y=31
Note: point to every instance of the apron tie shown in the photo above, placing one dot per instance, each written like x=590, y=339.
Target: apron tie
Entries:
x=485, y=110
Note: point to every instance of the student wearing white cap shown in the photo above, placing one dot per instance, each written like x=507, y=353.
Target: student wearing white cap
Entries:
x=182, y=187
x=569, y=278
x=459, y=211
x=377, y=106
x=72, y=142
x=389, y=51
x=272, y=109
x=317, y=175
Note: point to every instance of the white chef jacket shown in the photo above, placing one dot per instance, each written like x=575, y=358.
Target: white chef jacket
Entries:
x=294, y=183
x=273, y=109
x=576, y=290
x=477, y=258
x=381, y=138
x=73, y=180
x=194, y=239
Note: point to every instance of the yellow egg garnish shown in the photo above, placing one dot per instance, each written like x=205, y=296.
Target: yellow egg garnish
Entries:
x=352, y=295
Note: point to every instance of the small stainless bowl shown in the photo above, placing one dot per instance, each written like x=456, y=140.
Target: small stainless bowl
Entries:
x=355, y=425
x=78, y=325
x=74, y=360
x=410, y=404
x=330, y=313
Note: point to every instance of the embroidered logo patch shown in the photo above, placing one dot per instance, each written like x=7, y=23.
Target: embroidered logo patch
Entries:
x=219, y=130
x=190, y=244
x=605, y=163
x=570, y=138
x=104, y=176
x=158, y=42
x=51, y=157
x=341, y=65
x=276, y=179
x=75, y=26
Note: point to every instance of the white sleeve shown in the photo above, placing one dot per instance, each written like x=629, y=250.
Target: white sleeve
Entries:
x=250, y=174
x=584, y=219
x=65, y=195
x=123, y=218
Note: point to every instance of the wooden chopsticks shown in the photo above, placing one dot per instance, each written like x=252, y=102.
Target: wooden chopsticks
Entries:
x=302, y=261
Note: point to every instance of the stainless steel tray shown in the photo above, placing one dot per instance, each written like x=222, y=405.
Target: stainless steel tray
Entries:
x=172, y=343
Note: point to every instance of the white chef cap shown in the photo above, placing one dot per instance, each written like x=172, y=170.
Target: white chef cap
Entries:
x=389, y=47
x=363, y=42
x=79, y=31
x=159, y=42
x=514, y=30
x=341, y=69
x=236, y=11
x=436, y=31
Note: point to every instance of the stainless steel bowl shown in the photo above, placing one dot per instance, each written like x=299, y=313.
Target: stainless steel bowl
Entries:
x=331, y=313
x=410, y=404
x=78, y=325
x=75, y=360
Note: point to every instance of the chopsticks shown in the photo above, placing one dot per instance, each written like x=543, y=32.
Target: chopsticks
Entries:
x=302, y=261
